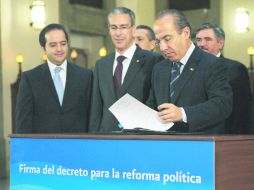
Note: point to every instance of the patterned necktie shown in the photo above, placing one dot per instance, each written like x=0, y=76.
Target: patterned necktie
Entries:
x=118, y=75
x=58, y=84
x=175, y=73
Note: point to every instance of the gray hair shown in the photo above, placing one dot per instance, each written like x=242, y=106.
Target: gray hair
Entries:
x=123, y=10
x=219, y=32
x=180, y=19
x=151, y=35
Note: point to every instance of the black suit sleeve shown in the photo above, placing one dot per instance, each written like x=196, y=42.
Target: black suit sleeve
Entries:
x=219, y=100
x=96, y=104
x=24, y=106
x=151, y=101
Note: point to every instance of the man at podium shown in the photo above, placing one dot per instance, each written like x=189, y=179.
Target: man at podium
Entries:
x=189, y=88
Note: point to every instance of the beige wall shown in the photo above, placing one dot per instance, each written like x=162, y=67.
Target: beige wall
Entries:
x=144, y=10
x=18, y=37
x=237, y=44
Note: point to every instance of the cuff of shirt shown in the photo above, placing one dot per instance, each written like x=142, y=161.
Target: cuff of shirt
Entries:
x=184, y=117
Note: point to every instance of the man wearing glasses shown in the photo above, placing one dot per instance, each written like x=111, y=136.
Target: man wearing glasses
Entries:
x=189, y=88
x=127, y=70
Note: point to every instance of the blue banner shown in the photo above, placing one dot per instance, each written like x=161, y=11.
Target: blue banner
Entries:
x=81, y=164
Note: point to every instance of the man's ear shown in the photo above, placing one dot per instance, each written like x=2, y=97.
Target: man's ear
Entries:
x=133, y=30
x=186, y=32
x=43, y=49
x=221, y=42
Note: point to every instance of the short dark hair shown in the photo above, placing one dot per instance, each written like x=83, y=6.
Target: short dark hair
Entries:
x=123, y=10
x=151, y=35
x=218, y=31
x=50, y=27
x=180, y=19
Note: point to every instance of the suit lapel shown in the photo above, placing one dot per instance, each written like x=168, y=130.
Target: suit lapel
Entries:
x=186, y=74
x=108, y=74
x=70, y=79
x=165, y=75
x=136, y=64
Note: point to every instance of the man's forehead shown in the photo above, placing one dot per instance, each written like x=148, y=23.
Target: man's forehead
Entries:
x=206, y=32
x=119, y=18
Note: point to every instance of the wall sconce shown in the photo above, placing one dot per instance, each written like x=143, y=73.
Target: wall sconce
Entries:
x=20, y=60
x=38, y=14
x=44, y=58
x=74, y=55
x=251, y=69
x=14, y=90
x=103, y=52
x=242, y=20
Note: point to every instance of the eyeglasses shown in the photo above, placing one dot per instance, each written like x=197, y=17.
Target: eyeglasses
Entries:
x=120, y=27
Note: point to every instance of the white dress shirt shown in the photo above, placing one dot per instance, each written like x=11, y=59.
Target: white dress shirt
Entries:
x=62, y=72
x=126, y=63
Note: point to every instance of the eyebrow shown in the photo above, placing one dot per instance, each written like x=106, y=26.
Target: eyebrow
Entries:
x=64, y=41
x=167, y=35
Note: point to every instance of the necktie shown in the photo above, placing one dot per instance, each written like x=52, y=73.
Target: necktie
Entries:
x=118, y=75
x=58, y=84
x=175, y=73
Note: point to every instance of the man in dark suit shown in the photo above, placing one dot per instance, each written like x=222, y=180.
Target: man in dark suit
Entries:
x=54, y=97
x=188, y=88
x=211, y=38
x=145, y=37
x=134, y=76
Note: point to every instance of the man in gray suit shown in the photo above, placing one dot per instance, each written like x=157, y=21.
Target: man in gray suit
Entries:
x=114, y=77
x=54, y=97
x=189, y=88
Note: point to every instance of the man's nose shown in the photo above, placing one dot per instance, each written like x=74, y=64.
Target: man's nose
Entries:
x=201, y=43
x=163, y=45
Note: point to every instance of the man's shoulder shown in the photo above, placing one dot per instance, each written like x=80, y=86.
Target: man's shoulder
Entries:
x=235, y=69
x=105, y=59
x=78, y=68
x=232, y=62
x=150, y=54
x=204, y=55
x=35, y=70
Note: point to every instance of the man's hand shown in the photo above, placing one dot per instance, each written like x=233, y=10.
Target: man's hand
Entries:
x=170, y=112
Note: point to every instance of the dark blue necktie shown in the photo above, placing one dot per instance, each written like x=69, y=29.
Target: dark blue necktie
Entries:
x=175, y=73
x=118, y=75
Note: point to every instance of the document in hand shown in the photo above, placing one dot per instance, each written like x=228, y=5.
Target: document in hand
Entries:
x=133, y=114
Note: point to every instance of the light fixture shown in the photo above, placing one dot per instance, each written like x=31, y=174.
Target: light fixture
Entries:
x=103, y=52
x=44, y=57
x=20, y=60
x=251, y=69
x=242, y=20
x=74, y=55
x=251, y=50
x=38, y=14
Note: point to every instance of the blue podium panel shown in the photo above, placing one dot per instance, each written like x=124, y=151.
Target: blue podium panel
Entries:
x=102, y=164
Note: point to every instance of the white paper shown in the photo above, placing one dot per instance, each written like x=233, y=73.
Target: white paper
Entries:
x=133, y=114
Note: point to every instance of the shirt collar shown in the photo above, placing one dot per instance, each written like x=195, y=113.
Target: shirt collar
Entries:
x=219, y=54
x=129, y=53
x=52, y=66
x=188, y=54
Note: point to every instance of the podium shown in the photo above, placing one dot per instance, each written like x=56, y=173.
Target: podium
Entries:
x=134, y=162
